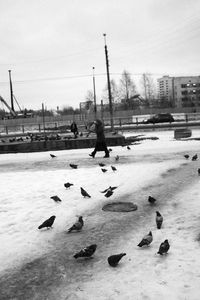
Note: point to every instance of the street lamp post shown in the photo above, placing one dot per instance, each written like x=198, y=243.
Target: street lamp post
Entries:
x=109, y=87
x=11, y=91
x=94, y=88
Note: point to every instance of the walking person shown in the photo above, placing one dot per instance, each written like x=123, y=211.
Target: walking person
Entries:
x=101, y=141
x=74, y=129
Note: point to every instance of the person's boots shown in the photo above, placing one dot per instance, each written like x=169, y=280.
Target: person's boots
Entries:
x=92, y=154
x=107, y=154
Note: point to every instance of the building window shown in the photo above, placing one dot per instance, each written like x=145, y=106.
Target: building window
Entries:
x=184, y=92
x=183, y=86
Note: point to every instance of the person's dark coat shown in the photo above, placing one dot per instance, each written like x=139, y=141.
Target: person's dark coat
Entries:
x=101, y=141
x=74, y=128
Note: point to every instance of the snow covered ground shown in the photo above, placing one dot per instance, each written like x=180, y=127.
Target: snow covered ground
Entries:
x=153, y=167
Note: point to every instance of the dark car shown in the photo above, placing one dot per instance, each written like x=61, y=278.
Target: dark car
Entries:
x=160, y=118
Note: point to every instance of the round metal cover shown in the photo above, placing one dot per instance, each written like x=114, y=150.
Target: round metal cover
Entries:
x=120, y=207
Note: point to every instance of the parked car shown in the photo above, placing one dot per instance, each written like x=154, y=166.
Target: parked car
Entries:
x=160, y=118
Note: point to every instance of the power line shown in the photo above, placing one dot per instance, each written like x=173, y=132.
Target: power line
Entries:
x=89, y=76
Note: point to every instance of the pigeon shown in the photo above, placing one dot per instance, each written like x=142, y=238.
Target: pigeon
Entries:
x=104, y=170
x=73, y=166
x=52, y=155
x=151, y=200
x=159, y=219
x=186, y=156
x=56, y=199
x=195, y=157
x=117, y=157
x=164, y=247
x=108, y=193
x=128, y=148
x=113, y=260
x=198, y=171
x=101, y=165
x=68, y=184
x=113, y=168
x=110, y=188
x=147, y=239
x=86, y=252
x=77, y=226
x=84, y=193
x=48, y=223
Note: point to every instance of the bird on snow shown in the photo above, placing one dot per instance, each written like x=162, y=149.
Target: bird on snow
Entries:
x=159, y=219
x=48, y=223
x=110, y=188
x=147, y=239
x=113, y=260
x=77, y=226
x=104, y=170
x=56, y=198
x=164, y=247
x=86, y=252
x=73, y=166
x=68, y=184
x=195, y=157
x=101, y=165
x=151, y=200
x=128, y=148
x=117, y=157
x=108, y=193
x=113, y=168
x=110, y=150
x=186, y=156
x=84, y=193
x=52, y=155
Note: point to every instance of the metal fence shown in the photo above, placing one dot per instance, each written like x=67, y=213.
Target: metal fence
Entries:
x=64, y=125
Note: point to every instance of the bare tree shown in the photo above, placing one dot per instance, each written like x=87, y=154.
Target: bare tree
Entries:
x=89, y=99
x=114, y=92
x=148, y=87
x=127, y=88
x=89, y=96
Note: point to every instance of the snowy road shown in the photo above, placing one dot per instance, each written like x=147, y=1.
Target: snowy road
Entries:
x=56, y=275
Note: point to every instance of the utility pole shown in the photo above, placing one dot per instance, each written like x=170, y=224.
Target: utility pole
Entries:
x=102, y=110
x=43, y=118
x=109, y=87
x=95, y=103
x=11, y=91
x=145, y=86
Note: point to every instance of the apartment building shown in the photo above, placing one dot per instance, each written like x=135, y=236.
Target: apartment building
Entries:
x=180, y=91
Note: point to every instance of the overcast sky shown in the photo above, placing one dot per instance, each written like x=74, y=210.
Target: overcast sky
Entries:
x=52, y=45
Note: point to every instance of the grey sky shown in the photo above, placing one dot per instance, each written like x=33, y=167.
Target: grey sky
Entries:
x=61, y=40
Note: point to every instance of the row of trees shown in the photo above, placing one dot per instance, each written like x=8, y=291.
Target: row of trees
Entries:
x=124, y=96
x=125, y=91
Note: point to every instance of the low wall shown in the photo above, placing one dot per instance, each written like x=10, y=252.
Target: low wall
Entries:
x=64, y=144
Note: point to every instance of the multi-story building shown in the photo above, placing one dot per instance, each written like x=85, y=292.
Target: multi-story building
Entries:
x=180, y=91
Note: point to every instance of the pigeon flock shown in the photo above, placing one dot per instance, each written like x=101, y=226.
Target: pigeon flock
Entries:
x=88, y=251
